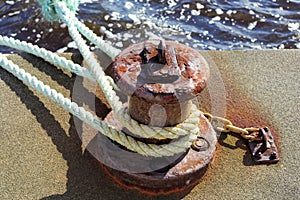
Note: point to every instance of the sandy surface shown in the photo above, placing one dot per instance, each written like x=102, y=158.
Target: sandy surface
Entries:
x=42, y=156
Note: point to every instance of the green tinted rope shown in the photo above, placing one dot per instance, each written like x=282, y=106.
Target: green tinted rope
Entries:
x=182, y=134
x=175, y=147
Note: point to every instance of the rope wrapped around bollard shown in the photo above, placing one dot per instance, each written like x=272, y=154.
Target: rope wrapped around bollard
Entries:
x=59, y=10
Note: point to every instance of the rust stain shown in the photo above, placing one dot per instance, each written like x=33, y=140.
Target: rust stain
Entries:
x=179, y=178
x=241, y=112
x=244, y=114
x=153, y=192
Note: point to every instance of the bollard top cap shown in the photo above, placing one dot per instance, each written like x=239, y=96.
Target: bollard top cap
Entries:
x=160, y=70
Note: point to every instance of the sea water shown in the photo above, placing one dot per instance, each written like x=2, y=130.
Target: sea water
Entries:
x=210, y=24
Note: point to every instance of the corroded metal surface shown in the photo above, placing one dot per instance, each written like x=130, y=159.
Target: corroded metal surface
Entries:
x=161, y=78
x=177, y=174
x=160, y=72
x=130, y=73
x=264, y=151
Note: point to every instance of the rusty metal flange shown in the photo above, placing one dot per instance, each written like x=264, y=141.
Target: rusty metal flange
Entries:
x=156, y=176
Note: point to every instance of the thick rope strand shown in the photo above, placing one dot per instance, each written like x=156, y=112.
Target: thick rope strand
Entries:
x=46, y=55
x=97, y=72
x=50, y=13
x=170, y=149
x=136, y=128
x=132, y=125
x=189, y=128
x=51, y=58
x=147, y=131
x=99, y=42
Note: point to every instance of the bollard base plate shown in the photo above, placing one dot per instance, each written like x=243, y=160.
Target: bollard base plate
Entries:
x=176, y=174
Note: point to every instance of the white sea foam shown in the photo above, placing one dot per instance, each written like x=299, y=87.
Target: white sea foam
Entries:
x=293, y=26
x=72, y=45
x=129, y=5
x=195, y=12
x=86, y=1
x=62, y=50
x=252, y=25
x=219, y=11
x=199, y=6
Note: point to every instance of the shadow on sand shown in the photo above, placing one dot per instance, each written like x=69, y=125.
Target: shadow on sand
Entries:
x=85, y=178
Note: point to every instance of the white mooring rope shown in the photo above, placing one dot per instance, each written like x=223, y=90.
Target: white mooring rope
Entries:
x=182, y=135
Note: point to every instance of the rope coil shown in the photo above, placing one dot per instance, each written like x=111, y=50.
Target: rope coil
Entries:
x=182, y=135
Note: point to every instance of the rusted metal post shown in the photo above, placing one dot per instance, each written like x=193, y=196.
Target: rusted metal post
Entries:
x=161, y=78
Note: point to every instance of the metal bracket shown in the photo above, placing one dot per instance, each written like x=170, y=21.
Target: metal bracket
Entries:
x=264, y=151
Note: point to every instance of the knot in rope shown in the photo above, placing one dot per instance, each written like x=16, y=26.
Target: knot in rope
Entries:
x=48, y=8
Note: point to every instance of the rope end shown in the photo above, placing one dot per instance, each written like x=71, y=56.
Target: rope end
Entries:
x=48, y=8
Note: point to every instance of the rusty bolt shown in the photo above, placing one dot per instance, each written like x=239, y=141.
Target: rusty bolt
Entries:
x=200, y=144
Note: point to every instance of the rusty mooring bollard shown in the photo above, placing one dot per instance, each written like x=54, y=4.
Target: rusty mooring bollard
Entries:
x=161, y=78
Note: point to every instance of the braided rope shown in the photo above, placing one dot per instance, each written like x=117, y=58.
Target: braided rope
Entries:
x=183, y=134
x=155, y=132
x=136, y=128
x=68, y=18
x=146, y=131
x=49, y=11
x=50, y=57
x=100, y=43
x=173, y=148
x=124, y=118
x=46, y=55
